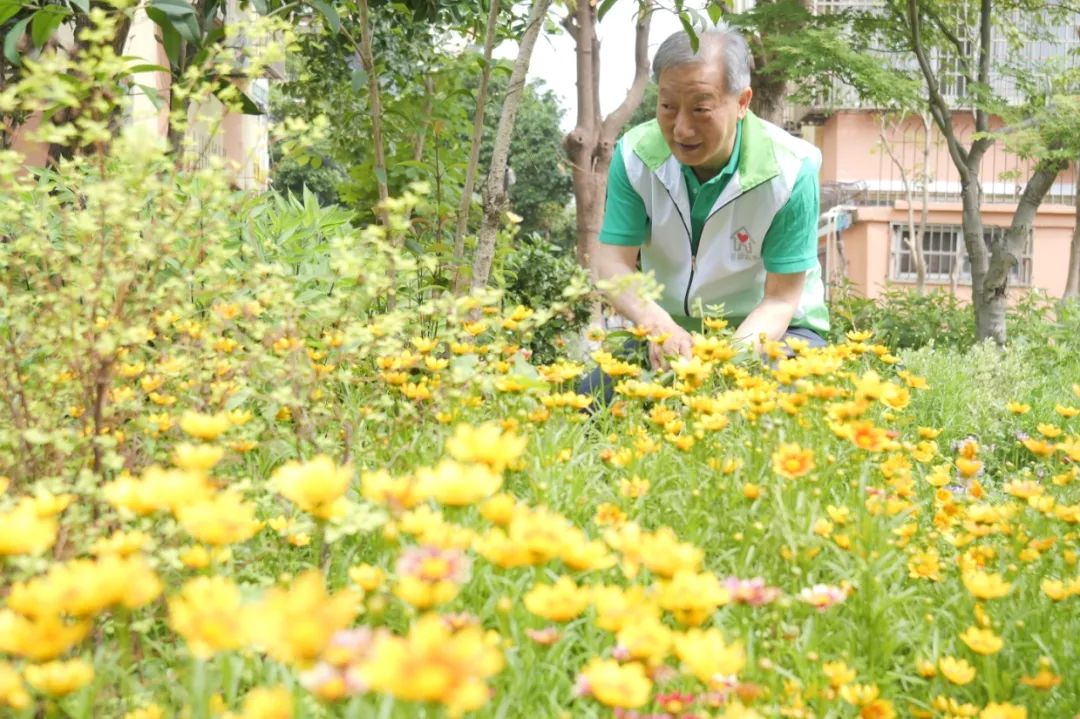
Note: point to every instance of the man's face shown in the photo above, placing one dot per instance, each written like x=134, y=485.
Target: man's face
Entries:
x=698, y=118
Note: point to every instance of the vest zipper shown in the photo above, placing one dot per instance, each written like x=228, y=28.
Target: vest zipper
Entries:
x=686, y=297
x=690, y=239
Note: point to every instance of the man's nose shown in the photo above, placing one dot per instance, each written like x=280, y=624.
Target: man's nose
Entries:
x=683, y=127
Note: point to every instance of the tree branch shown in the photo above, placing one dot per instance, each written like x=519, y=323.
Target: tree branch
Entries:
x=961, y=52
x=474, y=148
x=1015, y=240
x=939, y=108
x=618, y=117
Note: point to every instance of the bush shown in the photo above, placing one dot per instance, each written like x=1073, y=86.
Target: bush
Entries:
x=538, y=275
x=903, y=319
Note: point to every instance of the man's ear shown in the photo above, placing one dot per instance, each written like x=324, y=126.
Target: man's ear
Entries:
x=744, y=101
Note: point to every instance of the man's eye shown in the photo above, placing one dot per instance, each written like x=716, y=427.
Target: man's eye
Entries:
x=701, y=109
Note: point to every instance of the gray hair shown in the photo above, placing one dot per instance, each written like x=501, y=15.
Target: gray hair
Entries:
x=720, y=44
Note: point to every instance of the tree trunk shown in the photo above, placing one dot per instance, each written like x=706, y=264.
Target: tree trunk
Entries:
x=924, y=213
x=1072, y=279
x=1005, y=252
x=367, y=60
x=770, y=95
x=591, y=143
x=495, y=192
x=460, y=276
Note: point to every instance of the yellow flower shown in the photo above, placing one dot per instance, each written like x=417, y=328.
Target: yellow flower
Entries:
x=158, y=489
x=1044, y=680
x=838, y=673
x=367, y=577
x=428, y=576
x=83, y=587
x=208, y=614
x=60, y=678
x=792, y=461
x=925, y=565
x=317, y=486
x=692, y=597
x=267, y=703
x=295, y=624
x=1018, y=407
x=559, y=602
x=486, y=444
x=957, y=671
x=224, y=518
x=647, y=639
x=204, y=426
x=435, y=663
x=121, y=543
x=708, y=656
x=1038, y=447
x=40, y=637
x=197, y=457
x=878, y=709
x=617, y=685
x=23, y=531
x=456, y=484
x=859, y=694
x=664, y=554
x=994, y=710
x=12, y=692
x=982, y=641
x=984, y=585
x=1066, y=412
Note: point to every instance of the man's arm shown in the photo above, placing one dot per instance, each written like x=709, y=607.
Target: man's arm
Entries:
x=789, y=250
x=615, y=262
x=773, y=314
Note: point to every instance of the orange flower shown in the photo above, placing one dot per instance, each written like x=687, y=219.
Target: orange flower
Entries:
x=792, y=461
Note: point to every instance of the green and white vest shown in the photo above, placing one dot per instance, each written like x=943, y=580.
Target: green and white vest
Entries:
x=727, y=267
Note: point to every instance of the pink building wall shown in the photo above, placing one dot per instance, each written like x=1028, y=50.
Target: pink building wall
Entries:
x=852, y=152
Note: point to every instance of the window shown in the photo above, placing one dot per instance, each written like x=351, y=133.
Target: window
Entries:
x=942, y=247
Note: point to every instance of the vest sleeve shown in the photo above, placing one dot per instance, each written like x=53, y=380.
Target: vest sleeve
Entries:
x=791, y=244
x=625, y=219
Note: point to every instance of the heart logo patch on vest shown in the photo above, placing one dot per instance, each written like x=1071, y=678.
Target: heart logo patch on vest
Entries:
x=742, y=247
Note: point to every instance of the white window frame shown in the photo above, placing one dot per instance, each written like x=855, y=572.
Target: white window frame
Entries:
x=940, y=246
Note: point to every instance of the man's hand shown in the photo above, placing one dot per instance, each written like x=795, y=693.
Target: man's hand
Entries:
x=666, y=339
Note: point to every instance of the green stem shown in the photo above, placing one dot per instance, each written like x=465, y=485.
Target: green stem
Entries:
x=200, y=706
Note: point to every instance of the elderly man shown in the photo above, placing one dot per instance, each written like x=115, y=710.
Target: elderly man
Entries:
x=721, y=205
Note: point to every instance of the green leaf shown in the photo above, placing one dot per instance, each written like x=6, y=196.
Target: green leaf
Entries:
x=144, y=67
x=715, y=12
x=380, y=175
x=333, y=21
x=603, y=9
x=689, y=28
x=359, y=79
x=153, y=95
x=8, y=9
x=12, y=38
x=247, y=105
x=170, y=38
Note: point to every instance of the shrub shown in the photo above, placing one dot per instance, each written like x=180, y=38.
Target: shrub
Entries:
x=903, y=319
x=541, y=275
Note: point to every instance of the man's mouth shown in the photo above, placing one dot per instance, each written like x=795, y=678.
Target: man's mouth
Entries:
x=688, y=147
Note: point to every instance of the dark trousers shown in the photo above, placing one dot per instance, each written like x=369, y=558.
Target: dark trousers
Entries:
x=602, y=387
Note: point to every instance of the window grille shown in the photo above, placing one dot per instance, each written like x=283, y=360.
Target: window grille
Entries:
x=942, y=247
